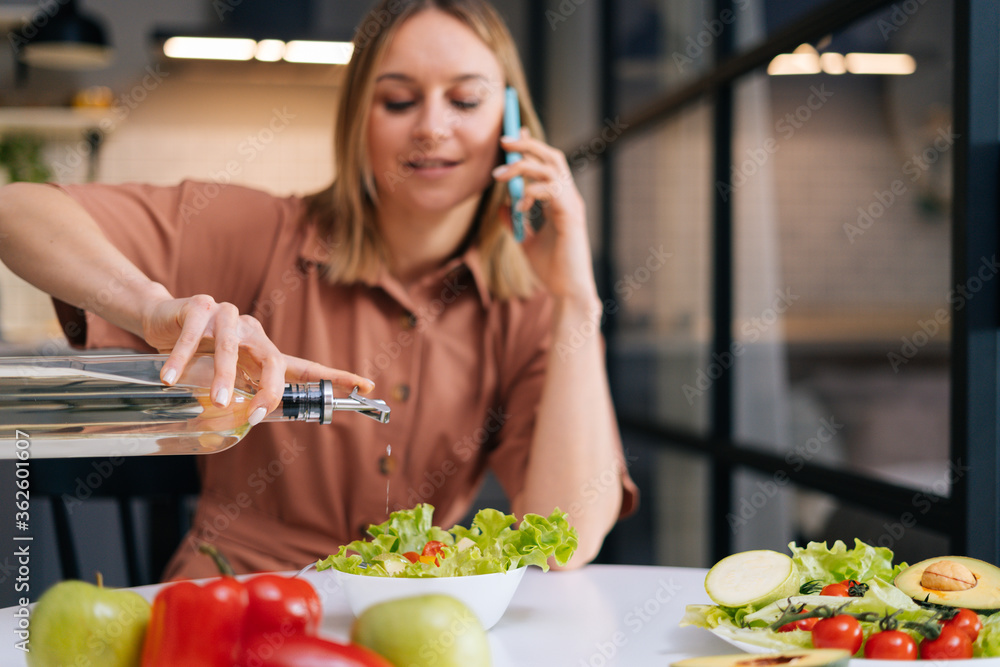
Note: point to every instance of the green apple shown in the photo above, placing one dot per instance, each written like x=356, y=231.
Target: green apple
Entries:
x=78, y=623
x=424, y=631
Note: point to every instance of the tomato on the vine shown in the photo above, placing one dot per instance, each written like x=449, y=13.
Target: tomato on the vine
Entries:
x=952, y=644
x=841, y=631
x=801, y=624
x=891, y=645
x=967, y=621
x=839, y=590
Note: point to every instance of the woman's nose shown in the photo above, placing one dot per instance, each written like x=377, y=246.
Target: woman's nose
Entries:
x=434, y=122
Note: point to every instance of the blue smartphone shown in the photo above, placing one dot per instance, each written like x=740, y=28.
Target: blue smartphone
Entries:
x=515, y=186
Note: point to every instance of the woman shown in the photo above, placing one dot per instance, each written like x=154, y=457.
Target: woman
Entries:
x=405, y=268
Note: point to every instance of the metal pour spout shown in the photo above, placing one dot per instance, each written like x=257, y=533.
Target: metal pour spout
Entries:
x=374, y=408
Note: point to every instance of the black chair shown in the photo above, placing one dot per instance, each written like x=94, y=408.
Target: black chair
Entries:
x=165, y=485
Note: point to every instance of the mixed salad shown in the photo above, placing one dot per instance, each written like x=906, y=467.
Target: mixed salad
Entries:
x=840, y=598
x=410, y=545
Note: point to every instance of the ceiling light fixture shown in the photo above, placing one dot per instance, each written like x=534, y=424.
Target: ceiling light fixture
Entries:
x=270, y=50
x=321, y=53
x=805, y=60
x=832, y=63
x=266, y=50
x=62, y=38
x=210, y=48
x=794, y=63
x=880, y=63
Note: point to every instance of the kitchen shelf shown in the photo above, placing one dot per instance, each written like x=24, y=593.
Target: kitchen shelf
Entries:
x=52, y=121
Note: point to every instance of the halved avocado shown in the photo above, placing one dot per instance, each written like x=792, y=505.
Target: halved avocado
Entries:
x=820, y=657
x=946, y=581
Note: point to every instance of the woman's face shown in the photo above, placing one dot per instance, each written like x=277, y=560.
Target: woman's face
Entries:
x=434, y=125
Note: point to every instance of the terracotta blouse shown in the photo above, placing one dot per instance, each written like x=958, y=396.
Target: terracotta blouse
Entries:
x=462, y=372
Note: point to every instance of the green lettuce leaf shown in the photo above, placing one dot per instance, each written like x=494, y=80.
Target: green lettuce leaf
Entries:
x=491, y=544
x=829, y=565
x=987, y=645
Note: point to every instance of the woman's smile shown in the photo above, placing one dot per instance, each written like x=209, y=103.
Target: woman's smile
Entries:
x=433, y=167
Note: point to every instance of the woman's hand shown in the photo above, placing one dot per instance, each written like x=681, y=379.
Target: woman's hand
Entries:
x=185, y=327
x=559, y=251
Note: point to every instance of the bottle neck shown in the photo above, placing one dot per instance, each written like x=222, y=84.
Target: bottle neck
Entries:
x=306, y=401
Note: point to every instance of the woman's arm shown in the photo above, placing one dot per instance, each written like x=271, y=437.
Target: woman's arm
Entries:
x=575, y=461
x=53, y=243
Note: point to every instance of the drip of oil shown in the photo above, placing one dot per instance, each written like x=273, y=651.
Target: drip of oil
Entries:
x=388, y=455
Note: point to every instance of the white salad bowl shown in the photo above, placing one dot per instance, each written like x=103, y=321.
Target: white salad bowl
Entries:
x=487, y=595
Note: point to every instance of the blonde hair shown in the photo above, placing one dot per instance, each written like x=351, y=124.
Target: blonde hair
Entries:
x=345, y=211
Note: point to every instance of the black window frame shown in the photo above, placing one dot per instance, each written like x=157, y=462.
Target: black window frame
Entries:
x=970, y=515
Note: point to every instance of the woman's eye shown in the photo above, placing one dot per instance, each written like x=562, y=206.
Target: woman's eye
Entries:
x=398, y=106
x=465, y=105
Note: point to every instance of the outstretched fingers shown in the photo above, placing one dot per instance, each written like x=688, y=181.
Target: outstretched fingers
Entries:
x=302, y=370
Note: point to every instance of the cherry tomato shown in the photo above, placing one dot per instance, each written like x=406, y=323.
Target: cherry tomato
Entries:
x=841, y=631
x=432, y=548
x=838, y=590
x=891, y=645
x=952, y=644
x=967, y=621
x=412, y=556
x=801, y=624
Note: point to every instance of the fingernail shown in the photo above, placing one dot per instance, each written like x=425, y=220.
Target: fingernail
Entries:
x=222, y=397
x=499, y=171
x=257, y=416
x=170, y=376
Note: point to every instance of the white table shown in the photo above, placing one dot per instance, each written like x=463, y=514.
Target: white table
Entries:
x=597, y=616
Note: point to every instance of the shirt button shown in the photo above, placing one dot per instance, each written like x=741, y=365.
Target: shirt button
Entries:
x=409, y=321
x=386, y=464
x=401, y=392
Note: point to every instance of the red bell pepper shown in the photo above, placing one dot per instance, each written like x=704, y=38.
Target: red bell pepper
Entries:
x=309, y=651
x=196, y=626
x=205, y=626
x=287, y=605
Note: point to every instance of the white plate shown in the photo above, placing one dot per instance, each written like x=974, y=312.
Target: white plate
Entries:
x=861, y=662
